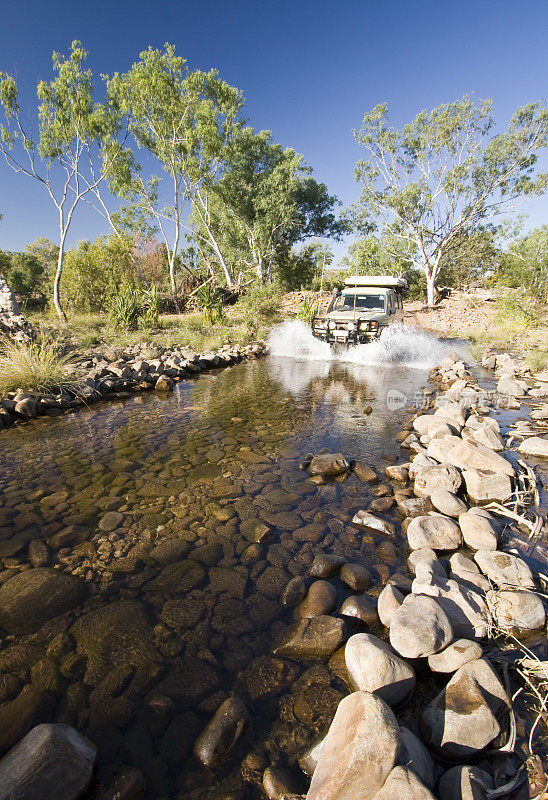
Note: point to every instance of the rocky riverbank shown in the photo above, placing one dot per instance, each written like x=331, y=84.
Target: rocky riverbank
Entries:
x=116, y=373
x=406, y=728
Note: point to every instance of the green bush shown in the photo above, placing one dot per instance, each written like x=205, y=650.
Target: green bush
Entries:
x=212, y=304
x=262, y=299
x=132, y=307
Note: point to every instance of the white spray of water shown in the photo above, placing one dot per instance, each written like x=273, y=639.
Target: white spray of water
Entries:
x=398, y=345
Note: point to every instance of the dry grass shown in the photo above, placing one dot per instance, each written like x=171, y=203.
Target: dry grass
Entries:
x=37, y=367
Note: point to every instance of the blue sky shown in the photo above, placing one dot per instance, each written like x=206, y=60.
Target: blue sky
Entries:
x=309, y=70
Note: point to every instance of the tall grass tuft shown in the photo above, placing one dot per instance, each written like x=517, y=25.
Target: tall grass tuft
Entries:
x=37, y=367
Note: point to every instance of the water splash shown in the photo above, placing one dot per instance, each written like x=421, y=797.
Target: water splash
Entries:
x=398, y=345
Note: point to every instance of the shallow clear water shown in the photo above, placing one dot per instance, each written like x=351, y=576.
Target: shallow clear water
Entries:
x=196, y=618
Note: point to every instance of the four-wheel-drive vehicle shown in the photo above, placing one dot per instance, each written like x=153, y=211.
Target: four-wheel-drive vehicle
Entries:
x=361, y=310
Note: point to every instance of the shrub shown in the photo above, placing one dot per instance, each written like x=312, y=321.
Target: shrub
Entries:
x=262, y=299
x=308, y=310
x=212, y=304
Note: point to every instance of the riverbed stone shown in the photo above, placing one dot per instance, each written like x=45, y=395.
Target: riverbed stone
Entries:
x=368, y=520
x=329, y=465
x=326, y=565
x=477, y=531
x=365, y=473
x=359, y=752
x=455, y=656
x=428, y=556
x=465, y=716
x=465, y=608
x=321, y=600
x=355, y=576
x=434, y=531
x=413, y=506
x=402, y=783
x=121, y=634
x=465, y=783
x=17, y=717
x=488, y=437
x=447, y=503
x=485, y=485
x=535, y=446
x=413, y=754
x=504, y=569
x=52, y=762
x=110, y=521
x=32, y=597
x=313, y=639
x=443, y=476
x=278, y=783
x=390, y=599
x=230, y=722
x=375, y=667
x=518, y=612
x=473, y=455
x=420, y=627
x=294, y=592
x=360, y=607
x=466, y=571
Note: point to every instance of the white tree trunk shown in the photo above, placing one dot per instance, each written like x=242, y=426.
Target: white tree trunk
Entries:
x=57, y=280
x=430, y=288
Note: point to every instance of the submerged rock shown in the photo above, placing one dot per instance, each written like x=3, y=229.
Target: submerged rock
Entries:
x=361, y=607
x=313, y=639
x=32, y=597
x=220, y=735
x=375, y=523
x=360, y=750
x=329, y=465
x=52, y=762
x=320, y=600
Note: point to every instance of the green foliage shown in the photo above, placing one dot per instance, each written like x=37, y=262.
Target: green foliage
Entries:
x=525, y=265
x=263, y=300
x=93, y=271
x=212, y=304
x=35, y=367
x=132, y=307
x=22, y=271
x=444, y=174
x=469, y=259
x=513, y=307
x=309, y=309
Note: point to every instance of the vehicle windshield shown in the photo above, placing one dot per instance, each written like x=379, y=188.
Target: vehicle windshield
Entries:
x=359, y=302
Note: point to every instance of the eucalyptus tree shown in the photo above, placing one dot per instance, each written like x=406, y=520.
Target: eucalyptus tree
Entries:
x=445, y=174
x=77, y=145
x=182, y=120
x=264, y=202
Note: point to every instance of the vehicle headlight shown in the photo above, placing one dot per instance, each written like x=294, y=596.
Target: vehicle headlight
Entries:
x=332, y=324
x=351, y=326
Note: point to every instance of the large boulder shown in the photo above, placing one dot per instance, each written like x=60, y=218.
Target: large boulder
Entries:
x=52, y=762
x=443, y=476
x=517, y=611
x=374, y=667
x=413, y=754
x=465, y=608
x=477, y=531
x=504, y=569
x=535, y=446
x=465, y=716
x=435, y=532
x=360, y=750
x=33, y=597
x=483, y=485
x=329, y=465
x=403, y=784
x=455, y=656
x=473, y=455
x=465, y=783
x=420, y=627
x=313, y=639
